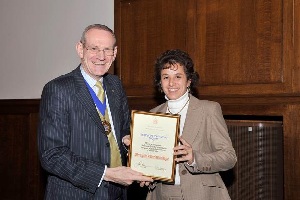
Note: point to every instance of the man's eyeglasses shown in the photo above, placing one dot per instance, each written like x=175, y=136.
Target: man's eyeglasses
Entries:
x=95, y=50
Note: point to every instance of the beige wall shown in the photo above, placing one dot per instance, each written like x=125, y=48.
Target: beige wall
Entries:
x=38, y=41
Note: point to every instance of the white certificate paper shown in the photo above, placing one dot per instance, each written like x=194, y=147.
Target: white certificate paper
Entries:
x=153, y=137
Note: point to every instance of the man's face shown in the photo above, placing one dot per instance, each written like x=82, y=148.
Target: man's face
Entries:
x=98, y=53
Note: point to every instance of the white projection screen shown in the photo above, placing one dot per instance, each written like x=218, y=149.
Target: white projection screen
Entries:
x=38, y=41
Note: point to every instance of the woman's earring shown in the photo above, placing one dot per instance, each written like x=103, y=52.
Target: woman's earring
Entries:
x=189, y=89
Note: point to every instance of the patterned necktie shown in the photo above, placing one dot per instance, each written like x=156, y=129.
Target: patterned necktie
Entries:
x=115, y=157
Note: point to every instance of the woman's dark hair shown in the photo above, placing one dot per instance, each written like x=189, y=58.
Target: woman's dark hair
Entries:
x=168, y=59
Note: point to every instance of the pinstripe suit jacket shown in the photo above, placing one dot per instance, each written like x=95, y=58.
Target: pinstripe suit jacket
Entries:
x=73, y=147
x=206, y=130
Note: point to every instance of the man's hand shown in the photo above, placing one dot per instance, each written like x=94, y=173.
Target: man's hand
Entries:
x=125, y=176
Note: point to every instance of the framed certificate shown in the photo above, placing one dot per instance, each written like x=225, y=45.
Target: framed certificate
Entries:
x=153, y=137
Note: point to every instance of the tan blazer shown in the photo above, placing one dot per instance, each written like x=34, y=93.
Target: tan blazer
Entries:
x=205, y=129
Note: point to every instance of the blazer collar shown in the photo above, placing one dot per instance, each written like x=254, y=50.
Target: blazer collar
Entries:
x=83, y=96
x=193, y=120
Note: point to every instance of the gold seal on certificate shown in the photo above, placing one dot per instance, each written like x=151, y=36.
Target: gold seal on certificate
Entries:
x=153, y=137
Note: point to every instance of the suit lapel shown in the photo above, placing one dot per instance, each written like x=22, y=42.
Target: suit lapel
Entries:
x=192, y=121
x=110, y=92
x=113, y=103
x=163, y=108
x=83, y=96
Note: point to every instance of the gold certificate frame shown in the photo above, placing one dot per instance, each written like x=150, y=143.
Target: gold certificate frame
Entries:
x=153, y=137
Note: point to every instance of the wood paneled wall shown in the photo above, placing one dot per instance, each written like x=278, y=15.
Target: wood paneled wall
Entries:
x=21, y=174
x=246, y=52
x=239, y=48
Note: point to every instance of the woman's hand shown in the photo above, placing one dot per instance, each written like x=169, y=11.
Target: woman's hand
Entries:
x=126, y=140
x=184, y=152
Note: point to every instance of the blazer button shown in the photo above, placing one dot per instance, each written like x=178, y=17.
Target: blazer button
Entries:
x=183, y=172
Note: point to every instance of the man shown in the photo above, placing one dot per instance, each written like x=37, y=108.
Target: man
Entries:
x=74, y=144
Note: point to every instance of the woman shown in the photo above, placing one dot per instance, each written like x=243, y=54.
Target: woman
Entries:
x=205, y=147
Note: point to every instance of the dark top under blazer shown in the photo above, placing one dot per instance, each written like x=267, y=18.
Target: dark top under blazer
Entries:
x=73, y=147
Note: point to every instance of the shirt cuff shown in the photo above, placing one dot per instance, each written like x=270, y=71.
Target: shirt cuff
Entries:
x=102, y=176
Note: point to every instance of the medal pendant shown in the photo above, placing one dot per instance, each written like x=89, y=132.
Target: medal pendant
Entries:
x=107, y=127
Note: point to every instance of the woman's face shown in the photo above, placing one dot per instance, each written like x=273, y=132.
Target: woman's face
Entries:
x=174, y=81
